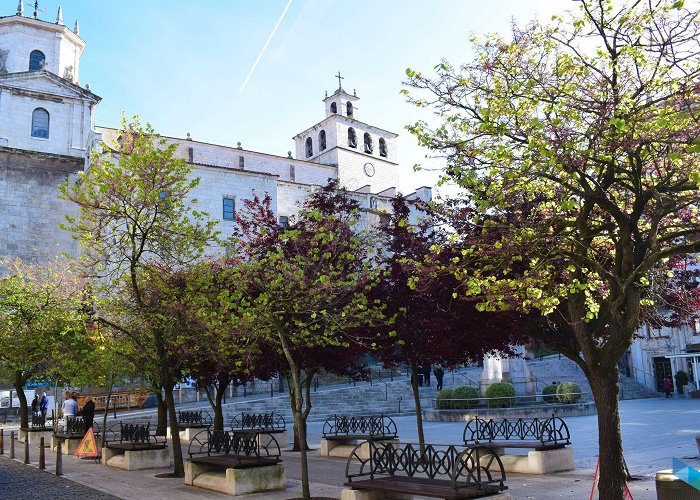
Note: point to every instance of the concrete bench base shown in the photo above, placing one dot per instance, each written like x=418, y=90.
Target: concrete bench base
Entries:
x=343, y=449
x=235, y=481
x=282, y=439
x=136, y=459
x=539, y=462
x=34, y=437
x=69, y=445
x=187, y=433
x=350, y=494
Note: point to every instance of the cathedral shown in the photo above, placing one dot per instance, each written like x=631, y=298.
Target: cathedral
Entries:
x=48, y=130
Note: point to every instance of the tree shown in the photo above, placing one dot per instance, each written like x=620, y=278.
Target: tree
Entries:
x=432, y=323
x=43, y=319
x=578, y=143
x=137, y=222
x=306, y=285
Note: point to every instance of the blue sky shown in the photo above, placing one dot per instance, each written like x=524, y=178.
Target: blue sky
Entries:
x=180, y=64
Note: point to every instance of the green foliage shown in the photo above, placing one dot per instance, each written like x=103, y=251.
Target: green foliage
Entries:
x=681, y=379
x=442, y=397
x=569, y=392
x=504, y=393
x=548, y=393
x=466, y=392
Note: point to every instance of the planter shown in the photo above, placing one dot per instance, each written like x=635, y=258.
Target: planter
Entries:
x=695, y=394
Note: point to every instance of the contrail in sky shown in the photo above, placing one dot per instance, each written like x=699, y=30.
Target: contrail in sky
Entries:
x=269, y=39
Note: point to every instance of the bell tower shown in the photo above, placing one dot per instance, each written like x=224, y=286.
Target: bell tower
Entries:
x=364, y=154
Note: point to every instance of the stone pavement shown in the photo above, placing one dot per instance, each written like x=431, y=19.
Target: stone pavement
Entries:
x=654, y=431
x=20, y=482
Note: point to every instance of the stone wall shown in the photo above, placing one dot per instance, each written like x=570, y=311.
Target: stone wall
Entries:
x=30, y=210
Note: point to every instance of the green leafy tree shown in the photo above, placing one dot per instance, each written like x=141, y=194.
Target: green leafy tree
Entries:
x=577, y=146
x=306, y=287
x=43, y=323
x=137, y=221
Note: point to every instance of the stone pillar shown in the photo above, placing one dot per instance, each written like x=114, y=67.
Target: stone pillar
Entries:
x=508, y=369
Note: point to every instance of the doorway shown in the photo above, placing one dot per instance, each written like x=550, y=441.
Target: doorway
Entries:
x=662, y=369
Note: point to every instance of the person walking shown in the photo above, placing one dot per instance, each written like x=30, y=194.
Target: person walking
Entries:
x=44, y=405
x=439, y=375
x=667, y=387
x=35, y=406
x=88, y=412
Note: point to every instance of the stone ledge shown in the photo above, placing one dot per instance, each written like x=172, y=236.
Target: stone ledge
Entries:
x=235, y=481
x=136, y=459
x=542, y=411
x=538, y=462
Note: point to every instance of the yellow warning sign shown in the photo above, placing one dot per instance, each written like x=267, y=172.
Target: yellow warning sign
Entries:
x=88, y=446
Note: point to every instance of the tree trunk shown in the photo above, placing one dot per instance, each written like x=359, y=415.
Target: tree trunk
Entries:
x=300, y=430
x=110, y=386
x=419, y=410
x=604, y=385
x=179, y=470
x=162, y=424
x=218, y=406
x=18, y=383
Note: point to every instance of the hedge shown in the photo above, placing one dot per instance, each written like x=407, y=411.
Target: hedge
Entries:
x=458, y=393
x=569, y=392
x=549, y=393
x=504, y=392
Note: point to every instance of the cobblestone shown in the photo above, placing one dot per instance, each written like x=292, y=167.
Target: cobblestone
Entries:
x=20, y=482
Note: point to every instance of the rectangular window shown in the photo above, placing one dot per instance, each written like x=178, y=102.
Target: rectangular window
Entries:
x=229, y=208
x=292, y=175
x=190, y=155
x=284, y=221
x=241, y=162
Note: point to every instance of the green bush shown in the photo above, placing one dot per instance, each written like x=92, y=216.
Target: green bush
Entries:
x=569, y=392
x=549, y=393
x=466, y=392
x=504, y=393
x=442, y=396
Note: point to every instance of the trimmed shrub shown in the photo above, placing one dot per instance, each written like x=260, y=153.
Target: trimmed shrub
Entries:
x=504, y=393
x=466, y=392
x=549, y=393
x=443, y=395
x=569, y=392
x=681, y=379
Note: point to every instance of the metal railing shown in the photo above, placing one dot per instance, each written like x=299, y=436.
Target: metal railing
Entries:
x=387, y=386
x=507, y=401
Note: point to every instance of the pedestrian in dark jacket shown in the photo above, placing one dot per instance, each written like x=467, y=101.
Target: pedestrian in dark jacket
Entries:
x=439, y=374
x=88, y=412
x=667, y=387
x=426, y=375
x=35, y=406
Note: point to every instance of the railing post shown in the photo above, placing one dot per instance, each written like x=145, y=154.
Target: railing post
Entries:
x=42, y=454
x=59, y=459
x=12, y=444
x=26, y=449
x=2, y=441
x=272, y=394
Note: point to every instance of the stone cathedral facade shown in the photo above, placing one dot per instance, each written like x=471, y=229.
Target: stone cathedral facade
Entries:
x=47, y=131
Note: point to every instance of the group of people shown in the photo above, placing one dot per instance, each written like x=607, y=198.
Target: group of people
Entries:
x=40, y=406
x=424, y=375
x=69, y=408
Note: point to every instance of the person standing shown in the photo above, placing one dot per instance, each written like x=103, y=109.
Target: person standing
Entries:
x=44, y=405
x=88, y=412
x=35, y=406
x=426, y=374
x=439, y=375
x=667, y=387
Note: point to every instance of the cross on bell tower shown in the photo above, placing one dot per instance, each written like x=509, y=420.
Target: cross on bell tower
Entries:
x=340, y=85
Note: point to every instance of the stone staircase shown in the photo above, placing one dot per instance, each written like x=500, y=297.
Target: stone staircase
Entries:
x=562, y=369
x=390, y=398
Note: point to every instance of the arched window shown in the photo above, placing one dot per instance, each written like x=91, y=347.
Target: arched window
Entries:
x=40, y=123
x=349, y=107
x=382, y=147
x=368, y=143
x=309, y=147
x=322, y=140
x=352, y=138
x=37, y=60
x=334, y=107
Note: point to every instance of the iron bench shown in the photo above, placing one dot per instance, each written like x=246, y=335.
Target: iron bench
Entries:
x=234, y=462
x=342, y=433
x=539, y=434
x=193, y=418
x=132, y=446
x=445, y=472
x=263, y=422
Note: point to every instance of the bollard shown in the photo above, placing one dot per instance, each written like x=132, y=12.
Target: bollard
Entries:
x=12, y=444
x=272, y=394
x=42, y=455
x=59, y=459
x=2, y=441
x=26, y=450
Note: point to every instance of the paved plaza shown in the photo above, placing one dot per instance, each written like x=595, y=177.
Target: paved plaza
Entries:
x=655, y=430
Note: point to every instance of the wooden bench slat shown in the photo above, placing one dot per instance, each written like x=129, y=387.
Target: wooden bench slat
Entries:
x=421, y=487
x=234, y=461
x=523, y=444
x=135, y=446
x=354, y=437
